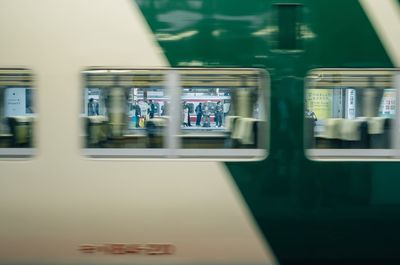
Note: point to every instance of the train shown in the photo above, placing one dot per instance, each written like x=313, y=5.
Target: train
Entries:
x=294, y=158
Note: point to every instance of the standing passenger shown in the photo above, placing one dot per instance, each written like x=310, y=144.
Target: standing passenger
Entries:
x=218, y=114
x=185, y=113
x=188, y=115
x=93, y=107
x=136, y=112
x=164, y=109
x=199, y=113
x=206, y=115
x=151, y=109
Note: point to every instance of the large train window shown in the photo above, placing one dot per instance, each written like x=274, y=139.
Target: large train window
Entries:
x=173, y=113
x=352, y=114
x=17, y=113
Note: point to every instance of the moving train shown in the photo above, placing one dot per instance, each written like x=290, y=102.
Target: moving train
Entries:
x=303, y=168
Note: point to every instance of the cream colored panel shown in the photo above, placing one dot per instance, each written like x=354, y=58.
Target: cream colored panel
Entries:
x=385, y=17
x=52, y=204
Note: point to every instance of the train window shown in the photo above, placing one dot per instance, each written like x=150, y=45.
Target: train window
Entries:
x=196, y=113
x=352, y=114
x=124, y=112
x=17, y=113
x=222, y=109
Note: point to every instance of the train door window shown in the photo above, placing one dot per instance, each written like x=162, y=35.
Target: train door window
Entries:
x=194, y=113
x=17, y=113
x=352, y=114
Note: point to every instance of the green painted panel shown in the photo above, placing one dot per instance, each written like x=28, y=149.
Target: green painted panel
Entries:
x=321, y=212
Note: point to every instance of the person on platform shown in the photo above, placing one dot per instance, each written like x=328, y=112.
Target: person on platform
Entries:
x=218, y=114
x=186, y=115
x=152, y=109
x=135, y=108
x=206, y=114
x=199, y=113
x=93, y=107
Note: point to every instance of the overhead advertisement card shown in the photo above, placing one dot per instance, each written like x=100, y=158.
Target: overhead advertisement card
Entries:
x=15, y=101
x=350, y=103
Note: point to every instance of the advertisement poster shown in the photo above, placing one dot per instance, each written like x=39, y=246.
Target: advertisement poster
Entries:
x=388, y=104
x=320, y=102
x=15, y=101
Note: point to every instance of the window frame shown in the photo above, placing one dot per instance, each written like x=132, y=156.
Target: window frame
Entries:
x=353, y=154
x=172, y=146
x=16, y=153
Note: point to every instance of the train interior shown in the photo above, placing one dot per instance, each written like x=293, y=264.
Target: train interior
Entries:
x=134, y=109
x=204, y=110
x=348, y=113
x=351, y=113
